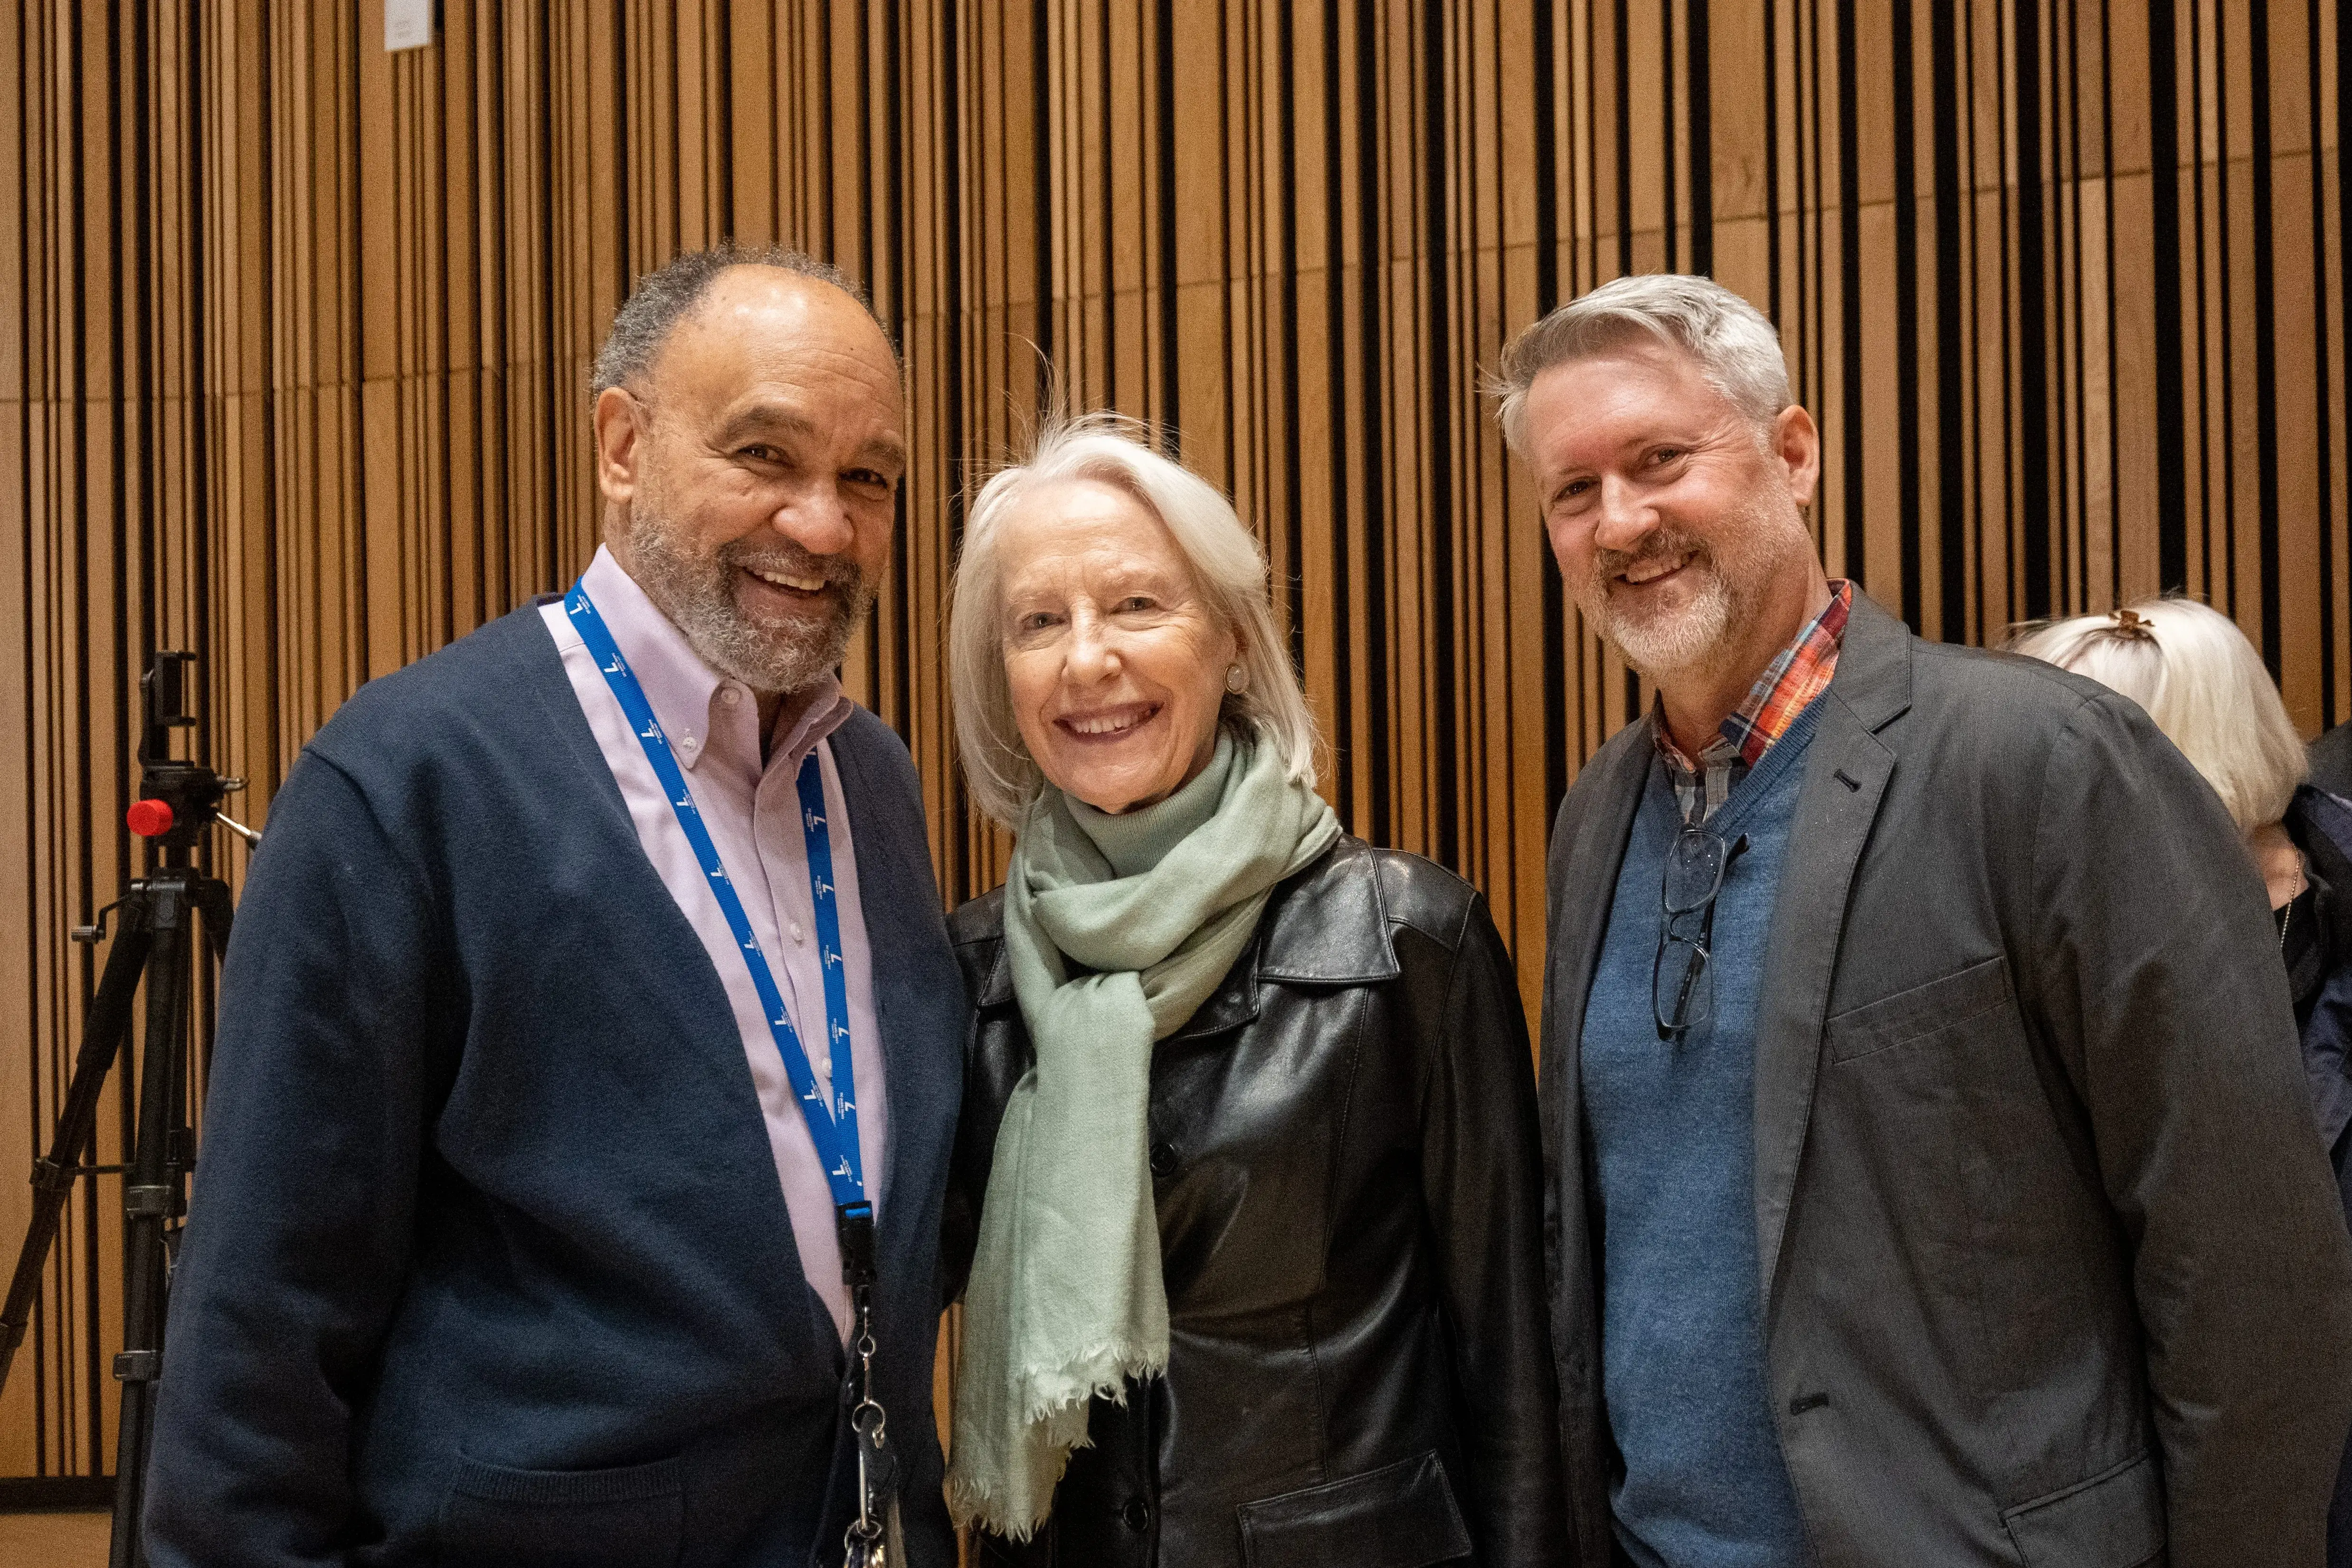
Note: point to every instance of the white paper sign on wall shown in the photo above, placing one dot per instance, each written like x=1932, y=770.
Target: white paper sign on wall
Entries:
x=407, y=23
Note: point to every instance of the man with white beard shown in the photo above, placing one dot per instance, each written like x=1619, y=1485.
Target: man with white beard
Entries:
x=591, y=1043
x=1929, y=1178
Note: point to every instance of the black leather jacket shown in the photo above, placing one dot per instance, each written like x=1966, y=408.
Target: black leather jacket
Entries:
x=1346, y=1159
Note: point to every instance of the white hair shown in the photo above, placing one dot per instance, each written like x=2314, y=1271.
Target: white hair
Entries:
x=1733, y=341
x=2201, y=681
x=1226, y=562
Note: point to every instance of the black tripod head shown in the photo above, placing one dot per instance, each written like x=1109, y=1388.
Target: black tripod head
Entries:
x=178, y=797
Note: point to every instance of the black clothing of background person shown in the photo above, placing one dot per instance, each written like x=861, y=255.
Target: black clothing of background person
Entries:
x=2331, y=761
x=1348, y=1177
x=2315, y=944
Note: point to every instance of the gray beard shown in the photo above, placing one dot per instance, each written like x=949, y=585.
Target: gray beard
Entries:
x=1692, y=641
x=695, y=592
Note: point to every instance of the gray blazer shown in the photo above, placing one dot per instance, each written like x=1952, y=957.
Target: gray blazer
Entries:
x=2050, y=1262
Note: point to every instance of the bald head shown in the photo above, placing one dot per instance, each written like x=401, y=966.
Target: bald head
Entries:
x=753, y=322
x=662, y=298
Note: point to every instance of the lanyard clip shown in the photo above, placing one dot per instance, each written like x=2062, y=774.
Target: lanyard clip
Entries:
x=854, y=1224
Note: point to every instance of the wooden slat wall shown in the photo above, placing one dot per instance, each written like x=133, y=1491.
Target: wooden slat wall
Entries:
x=294, y=334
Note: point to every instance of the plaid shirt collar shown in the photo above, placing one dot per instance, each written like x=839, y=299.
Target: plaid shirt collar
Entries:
x=1790, y=683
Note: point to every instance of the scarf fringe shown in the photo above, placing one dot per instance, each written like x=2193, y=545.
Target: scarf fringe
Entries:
x=971, y=1500
x=1048, y=1391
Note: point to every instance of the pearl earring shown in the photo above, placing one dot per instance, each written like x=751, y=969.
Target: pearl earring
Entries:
x=1236, y=678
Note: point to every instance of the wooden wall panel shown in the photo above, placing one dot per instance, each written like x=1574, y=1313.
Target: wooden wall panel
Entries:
x=294, y=336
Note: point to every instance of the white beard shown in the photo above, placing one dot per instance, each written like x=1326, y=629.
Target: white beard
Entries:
x=695, y=592
x=1696, y=639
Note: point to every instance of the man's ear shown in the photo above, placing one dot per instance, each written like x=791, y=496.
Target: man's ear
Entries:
x=1797, y=442
x=617, y=447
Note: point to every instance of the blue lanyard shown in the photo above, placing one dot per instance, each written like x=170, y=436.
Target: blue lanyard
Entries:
x=833, y=1128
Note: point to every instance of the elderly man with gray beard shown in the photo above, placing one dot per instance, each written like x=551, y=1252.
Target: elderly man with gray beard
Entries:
x=1929, y=1178
x=591, y=1043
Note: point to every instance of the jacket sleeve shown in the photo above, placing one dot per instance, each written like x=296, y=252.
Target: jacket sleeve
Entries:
x=1482, y=1178
x=973, y=1155
x=2160, y=983
x=298, y=1242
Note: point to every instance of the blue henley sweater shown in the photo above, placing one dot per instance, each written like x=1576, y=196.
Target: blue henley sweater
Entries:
x=1672, y=1141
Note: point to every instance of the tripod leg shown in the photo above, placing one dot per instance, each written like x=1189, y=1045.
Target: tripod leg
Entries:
x=148, y=1194
x=212, y=902
x=103, y=1034
x=219, y=912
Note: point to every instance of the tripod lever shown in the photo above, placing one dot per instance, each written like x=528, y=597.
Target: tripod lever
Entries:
x=96, y=930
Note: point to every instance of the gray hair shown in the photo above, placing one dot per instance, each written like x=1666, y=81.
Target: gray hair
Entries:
x=666, y=296
x=2202, y=682
x=1226, y=562
x=1733, y=343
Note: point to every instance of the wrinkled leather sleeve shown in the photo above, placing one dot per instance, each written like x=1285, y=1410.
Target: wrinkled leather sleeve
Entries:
x=1482, y=1177
x=988, y=1084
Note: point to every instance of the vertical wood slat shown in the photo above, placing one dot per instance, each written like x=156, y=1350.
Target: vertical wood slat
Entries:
x=297, y=332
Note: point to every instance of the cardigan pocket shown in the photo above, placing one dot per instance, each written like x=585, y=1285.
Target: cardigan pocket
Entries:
x=1400, y=1516
x=632, y=1514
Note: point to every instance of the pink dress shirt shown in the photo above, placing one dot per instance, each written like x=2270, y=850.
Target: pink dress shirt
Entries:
x=752, y=811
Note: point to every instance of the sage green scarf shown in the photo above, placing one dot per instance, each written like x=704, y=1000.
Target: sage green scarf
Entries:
x=1066, y=1301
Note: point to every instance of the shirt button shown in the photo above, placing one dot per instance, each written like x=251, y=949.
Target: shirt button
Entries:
x=798, y=934
x=688, y=744
x=1137, y=1513
x=729, y=696
x=1164, y=1160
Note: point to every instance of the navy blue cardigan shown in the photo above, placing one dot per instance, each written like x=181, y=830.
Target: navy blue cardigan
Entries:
x=488, y=1262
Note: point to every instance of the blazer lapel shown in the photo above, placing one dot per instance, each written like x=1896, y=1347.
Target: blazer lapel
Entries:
x=1846, y=774
x=1587, y=850
x=1584, y=883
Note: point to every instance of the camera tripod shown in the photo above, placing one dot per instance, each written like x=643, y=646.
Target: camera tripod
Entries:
x=154, y=941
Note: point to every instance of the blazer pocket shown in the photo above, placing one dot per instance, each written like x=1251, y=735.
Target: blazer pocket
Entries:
x=2114, y=1520
x=1400, y=1516
x=1923, y=1010
x=634, y=1514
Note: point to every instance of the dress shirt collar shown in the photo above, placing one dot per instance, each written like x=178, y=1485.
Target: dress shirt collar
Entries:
x=1787, y=687
x=690, y=698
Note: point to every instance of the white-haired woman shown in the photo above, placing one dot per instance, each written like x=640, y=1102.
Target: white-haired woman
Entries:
x=1248, y=1184
x=2202, y=682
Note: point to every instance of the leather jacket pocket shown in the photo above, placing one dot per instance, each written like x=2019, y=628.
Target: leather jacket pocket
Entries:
x=2114, y=1520
x=634, y=1514
x=1399, y=1516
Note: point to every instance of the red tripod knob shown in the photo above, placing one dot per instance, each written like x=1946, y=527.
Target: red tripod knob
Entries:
x=149, y=819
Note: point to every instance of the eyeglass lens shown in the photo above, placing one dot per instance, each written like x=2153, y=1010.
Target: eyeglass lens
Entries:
x=1682, y=986
x=1694, y=870
x=1684, y=983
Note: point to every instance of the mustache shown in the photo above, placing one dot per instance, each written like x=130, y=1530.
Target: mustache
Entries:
x=784, y=556
x=1659, y=546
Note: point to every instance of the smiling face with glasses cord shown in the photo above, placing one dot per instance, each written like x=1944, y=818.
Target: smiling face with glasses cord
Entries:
x=1909, y=1012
